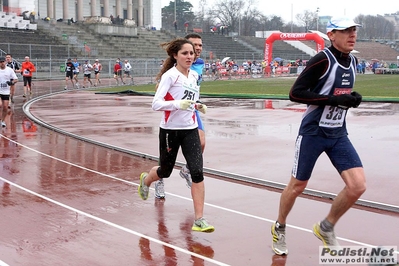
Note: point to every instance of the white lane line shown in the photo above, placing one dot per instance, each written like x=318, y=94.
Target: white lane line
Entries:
x=2, y=263
x=113, y=224
x=185, y=198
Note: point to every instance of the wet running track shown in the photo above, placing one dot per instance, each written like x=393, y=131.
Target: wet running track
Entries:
x=69, y=194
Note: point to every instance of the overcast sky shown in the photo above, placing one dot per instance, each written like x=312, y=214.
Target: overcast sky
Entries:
x=288, y=9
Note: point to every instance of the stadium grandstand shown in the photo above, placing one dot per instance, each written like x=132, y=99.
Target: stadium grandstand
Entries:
x=53, y=30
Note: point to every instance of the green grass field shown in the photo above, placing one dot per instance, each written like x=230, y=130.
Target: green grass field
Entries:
x=372, y=87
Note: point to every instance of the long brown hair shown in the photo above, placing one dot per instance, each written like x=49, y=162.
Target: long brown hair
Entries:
x=172, y=48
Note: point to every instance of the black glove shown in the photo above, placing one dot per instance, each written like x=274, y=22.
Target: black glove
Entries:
x=343, y=100
x=358, y=98
x=10, y=83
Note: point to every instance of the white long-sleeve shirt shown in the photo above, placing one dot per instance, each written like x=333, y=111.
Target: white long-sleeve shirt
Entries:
x=175, y=86
x=6, y=74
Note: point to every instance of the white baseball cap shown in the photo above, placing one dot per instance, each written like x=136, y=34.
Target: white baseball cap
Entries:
x=341, y=23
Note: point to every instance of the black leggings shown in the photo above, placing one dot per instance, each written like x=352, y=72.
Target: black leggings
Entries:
x=27, y=81
x=189, y=141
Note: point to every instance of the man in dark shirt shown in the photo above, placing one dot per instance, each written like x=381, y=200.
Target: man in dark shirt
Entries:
x=14, y=66
x=325, y=86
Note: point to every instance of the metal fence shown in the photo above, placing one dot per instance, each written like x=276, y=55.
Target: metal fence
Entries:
x=50, y=59
x=51, y=65
x=45, y=52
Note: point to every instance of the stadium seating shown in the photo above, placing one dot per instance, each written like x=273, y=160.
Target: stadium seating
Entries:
x=144, y=45
x=373, y=50
x=13, y=21
x=25, y=42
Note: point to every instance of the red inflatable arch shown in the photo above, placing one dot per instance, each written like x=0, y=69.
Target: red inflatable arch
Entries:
x=290, y=37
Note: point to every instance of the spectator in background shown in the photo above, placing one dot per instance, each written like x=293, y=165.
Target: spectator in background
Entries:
x=25, y=15
x=263, y=66
x=32, y=17
x=175, y=25
x=207, y=67
x=186, y=26
x=118, y=20
x=234, y=68
x=363, y=67
x=219, y=66
x=374, y=66
x=213, y=69
x=359, y=68
x=245, y=66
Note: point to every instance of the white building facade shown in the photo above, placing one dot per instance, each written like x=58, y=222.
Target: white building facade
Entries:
x=145, y=13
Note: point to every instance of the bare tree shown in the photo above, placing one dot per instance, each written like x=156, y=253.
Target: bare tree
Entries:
x=375, y=27
x=229, y=12
x=252, y=20
x=244, y=17
x=308, y=20
x=200, y=16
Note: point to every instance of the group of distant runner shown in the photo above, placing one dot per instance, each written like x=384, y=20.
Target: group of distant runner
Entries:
x=122, y=73
x=8, y=78
x=73, y=68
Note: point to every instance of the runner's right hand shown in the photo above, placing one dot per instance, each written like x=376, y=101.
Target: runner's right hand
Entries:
x=185, y=105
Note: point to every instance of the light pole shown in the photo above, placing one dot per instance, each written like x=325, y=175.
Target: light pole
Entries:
x=203, y=4
x=239, y=25
x=317, y=19
x=175, y=10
